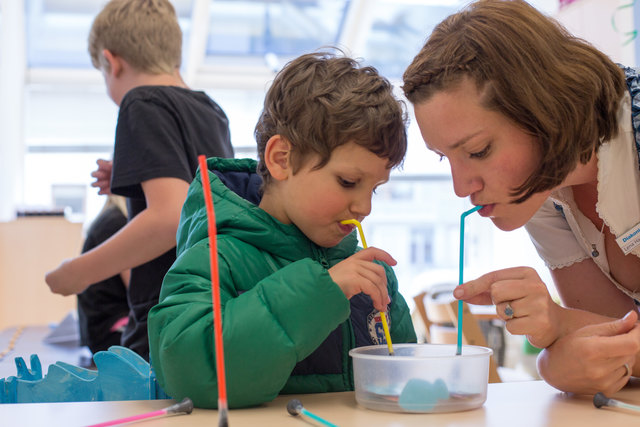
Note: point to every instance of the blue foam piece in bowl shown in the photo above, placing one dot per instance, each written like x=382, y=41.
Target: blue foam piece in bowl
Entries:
x=421, y=395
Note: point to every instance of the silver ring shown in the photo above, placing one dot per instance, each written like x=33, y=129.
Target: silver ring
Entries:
x=627, y=370
x=508, y=311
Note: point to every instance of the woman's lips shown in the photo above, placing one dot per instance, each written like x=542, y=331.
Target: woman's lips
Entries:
x=486, y=210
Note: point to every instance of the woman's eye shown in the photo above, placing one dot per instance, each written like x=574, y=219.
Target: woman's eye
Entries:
x=482, y=153
x=346, y=183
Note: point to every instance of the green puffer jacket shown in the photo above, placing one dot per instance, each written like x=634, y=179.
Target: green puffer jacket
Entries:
x=287, y=326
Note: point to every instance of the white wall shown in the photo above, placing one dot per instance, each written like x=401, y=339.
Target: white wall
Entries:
x=607, y=24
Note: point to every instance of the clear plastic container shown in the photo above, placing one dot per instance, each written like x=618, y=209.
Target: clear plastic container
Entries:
x=421, y=377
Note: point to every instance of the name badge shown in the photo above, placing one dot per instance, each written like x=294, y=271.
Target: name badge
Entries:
x=629, y=239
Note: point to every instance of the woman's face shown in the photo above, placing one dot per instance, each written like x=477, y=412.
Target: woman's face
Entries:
x=489, y=156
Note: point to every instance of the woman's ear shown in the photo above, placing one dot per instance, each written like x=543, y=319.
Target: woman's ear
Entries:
x=277, y=157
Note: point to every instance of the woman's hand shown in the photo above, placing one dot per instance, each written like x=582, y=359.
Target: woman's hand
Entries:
x=359, y=273
x=592, y=359
x=521, y=299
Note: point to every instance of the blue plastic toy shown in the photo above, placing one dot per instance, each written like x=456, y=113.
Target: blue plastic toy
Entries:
x=421, y=395
x=121, y=375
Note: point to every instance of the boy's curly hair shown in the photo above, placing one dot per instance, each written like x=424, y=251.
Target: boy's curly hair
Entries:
x=320, y=101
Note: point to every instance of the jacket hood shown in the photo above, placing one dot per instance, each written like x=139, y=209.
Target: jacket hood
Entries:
x=235, y=187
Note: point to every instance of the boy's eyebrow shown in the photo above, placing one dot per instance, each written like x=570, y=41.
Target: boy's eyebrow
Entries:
x=359, y=171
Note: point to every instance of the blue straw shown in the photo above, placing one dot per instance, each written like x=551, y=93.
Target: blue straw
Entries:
x=294, y=407
x=317, y=418
x=460, y=276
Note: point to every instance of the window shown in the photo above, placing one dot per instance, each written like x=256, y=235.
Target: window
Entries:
x=399, y=30
x=254, y=29
x=231, y=49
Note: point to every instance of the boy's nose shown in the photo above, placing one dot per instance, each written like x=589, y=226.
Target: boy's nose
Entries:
x=361, y=206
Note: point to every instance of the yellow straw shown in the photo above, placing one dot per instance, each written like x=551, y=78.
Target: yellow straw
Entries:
x=385, y=325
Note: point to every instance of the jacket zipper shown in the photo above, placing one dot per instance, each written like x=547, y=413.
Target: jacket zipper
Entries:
x=322, y=257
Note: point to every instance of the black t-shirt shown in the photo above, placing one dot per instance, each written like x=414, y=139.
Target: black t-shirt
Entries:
x=161, y=131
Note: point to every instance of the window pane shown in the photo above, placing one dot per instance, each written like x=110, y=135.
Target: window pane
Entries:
x=399, y=30
x=418, y=222
x=63, y=115
x=0, y=31
x=243, y=107
x=51, y=176
x=286, y=28
x=57, y=30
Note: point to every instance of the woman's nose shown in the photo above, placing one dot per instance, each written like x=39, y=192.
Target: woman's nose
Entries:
x=465, y=181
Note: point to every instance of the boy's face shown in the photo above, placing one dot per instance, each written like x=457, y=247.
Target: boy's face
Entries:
x=317, y=200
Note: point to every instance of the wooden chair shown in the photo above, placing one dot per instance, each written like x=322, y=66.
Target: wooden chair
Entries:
x=439, y=312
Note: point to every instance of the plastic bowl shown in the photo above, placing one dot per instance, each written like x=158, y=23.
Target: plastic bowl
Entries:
x=421, y=377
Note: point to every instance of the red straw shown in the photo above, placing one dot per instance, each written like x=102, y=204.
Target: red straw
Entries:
x=215, y=290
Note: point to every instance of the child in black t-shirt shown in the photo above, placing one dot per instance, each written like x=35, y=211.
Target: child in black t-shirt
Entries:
x=162, y=127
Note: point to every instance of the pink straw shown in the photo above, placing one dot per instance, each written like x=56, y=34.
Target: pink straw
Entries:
x=184, y=407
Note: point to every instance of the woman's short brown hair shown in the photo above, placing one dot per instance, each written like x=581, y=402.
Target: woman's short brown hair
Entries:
x=145, y=33
x=526, y=66
x=320, y=101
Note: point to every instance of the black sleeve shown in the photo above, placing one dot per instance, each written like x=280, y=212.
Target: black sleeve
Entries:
x=148, y=145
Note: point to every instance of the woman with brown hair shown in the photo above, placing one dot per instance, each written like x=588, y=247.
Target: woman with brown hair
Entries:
x=538, y=127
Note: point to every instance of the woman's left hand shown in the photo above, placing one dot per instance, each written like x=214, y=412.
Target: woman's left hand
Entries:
x=595, y=358
x=521, y=299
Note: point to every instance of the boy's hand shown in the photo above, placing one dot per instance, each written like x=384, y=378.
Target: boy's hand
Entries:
x=61, y=281
x=359, y=273
x=102, y=176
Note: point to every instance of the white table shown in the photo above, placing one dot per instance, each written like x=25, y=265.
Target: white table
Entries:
x=515, y=404
x=512, y=404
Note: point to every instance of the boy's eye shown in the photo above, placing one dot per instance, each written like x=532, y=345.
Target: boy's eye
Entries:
x=482, y=153
x=346, y=183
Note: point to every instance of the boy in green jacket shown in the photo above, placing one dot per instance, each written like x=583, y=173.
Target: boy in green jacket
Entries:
x=296, y=292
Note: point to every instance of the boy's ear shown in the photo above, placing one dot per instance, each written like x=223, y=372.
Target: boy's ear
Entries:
x=114, y=62
x=277, y=157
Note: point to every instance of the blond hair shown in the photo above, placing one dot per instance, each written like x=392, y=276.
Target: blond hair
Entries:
x=526, y=66
x=145, y=33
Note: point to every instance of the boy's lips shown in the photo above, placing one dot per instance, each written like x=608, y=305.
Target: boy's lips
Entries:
x=346, y=228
